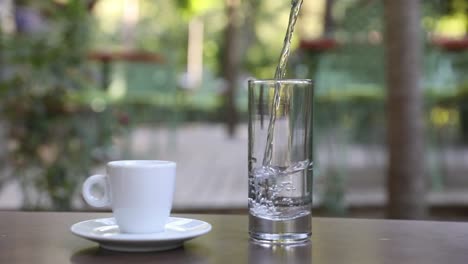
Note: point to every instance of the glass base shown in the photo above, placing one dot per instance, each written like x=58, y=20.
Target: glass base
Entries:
x=287, y=231
x=291, y=238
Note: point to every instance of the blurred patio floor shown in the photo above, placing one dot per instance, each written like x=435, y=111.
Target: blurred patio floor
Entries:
x=212, y=169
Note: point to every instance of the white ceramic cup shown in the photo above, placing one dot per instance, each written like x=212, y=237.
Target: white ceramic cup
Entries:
x=140, y=193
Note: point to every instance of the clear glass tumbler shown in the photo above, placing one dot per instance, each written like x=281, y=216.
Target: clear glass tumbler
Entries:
x=280, y=160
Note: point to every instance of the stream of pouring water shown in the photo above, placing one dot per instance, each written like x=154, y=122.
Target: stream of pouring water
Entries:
x=279, y=74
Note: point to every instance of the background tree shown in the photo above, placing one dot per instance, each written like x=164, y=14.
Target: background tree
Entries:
x=328, y=22
x=231, y=62
x=406, y=186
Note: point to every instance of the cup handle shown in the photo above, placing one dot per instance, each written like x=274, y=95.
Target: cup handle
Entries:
x=90, y=198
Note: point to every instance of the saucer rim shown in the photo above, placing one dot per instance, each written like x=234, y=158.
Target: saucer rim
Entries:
x=144, y=237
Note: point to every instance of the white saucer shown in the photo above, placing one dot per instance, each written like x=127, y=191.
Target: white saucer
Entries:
x=106, y=232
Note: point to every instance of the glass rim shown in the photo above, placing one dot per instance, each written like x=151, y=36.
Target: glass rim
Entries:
x=281, y=81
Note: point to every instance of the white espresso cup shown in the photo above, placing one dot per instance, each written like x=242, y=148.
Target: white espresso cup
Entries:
x=140, y=193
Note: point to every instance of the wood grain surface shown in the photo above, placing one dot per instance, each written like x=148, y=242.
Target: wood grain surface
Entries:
x=44, y=237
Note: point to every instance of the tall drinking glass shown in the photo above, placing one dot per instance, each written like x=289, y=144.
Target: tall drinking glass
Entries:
x=280, y=160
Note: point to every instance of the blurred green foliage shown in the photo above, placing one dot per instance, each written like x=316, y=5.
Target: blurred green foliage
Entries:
x=190, y=8
x=54, y=137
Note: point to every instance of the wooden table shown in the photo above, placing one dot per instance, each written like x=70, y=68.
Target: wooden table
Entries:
x=44, y=237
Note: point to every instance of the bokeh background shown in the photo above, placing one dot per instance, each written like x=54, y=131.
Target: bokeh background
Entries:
x=83, y=82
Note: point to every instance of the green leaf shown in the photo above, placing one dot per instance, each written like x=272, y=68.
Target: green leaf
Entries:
x=190, y=8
